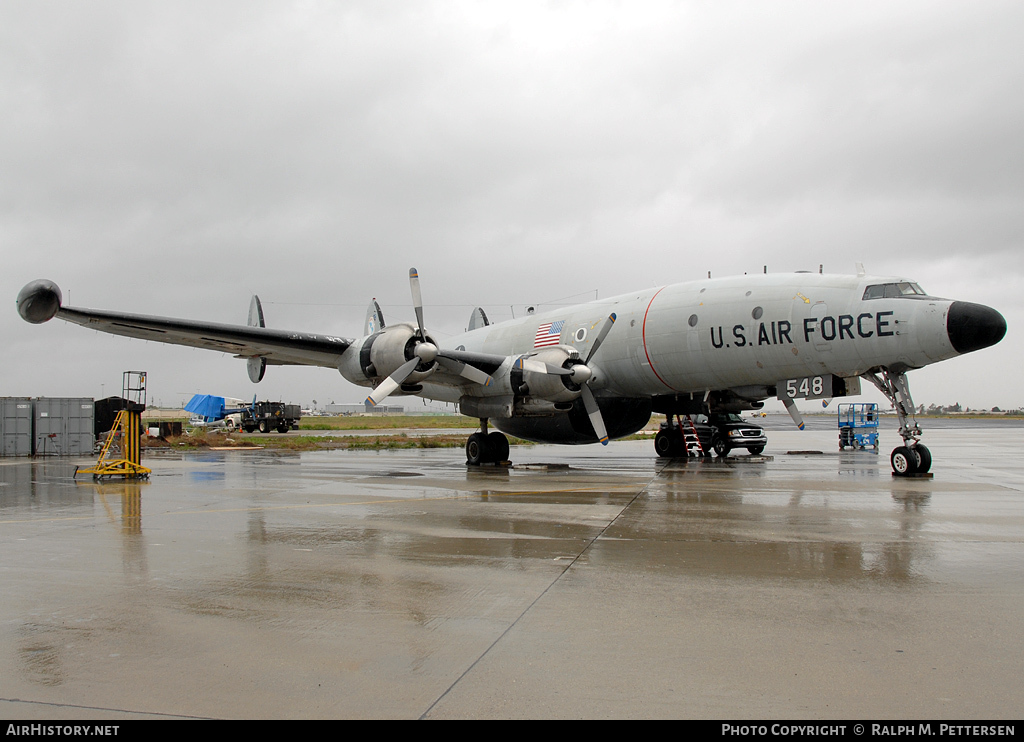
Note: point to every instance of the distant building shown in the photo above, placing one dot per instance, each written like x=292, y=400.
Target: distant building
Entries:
x=362, y=409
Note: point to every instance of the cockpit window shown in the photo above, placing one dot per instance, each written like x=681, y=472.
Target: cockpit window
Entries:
x=893, y=290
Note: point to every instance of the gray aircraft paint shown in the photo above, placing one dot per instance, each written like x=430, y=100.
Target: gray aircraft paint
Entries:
x=741, y=335
x=809, y=324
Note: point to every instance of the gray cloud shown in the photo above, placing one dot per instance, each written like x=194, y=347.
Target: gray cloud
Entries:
x=174, y=158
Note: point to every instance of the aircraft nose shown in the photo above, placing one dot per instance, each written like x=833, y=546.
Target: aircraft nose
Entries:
x=973, y=326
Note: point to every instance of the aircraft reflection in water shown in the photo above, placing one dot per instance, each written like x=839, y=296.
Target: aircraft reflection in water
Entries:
x=595, y=371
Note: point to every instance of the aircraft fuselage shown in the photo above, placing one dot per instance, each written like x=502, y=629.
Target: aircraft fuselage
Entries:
x=745, y=331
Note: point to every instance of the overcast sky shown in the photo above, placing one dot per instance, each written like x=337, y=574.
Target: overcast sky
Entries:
x=175, y=158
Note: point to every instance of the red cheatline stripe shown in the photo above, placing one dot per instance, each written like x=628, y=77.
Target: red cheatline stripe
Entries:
x=644, y=337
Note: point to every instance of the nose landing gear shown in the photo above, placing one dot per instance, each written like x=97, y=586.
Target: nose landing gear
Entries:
x=913, y=457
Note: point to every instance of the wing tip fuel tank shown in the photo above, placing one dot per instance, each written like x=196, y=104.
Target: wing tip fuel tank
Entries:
x=39, y=301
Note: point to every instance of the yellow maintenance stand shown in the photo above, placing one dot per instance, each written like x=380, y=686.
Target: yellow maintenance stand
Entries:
x=121, y=455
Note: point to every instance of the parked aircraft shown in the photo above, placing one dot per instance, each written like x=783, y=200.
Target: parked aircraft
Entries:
x=596, y=371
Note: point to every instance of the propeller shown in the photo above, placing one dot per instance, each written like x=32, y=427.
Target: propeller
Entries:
x=580, y=374
x=425, y=352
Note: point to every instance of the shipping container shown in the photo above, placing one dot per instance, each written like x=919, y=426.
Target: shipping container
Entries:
x=15, y=426
x=63, y=426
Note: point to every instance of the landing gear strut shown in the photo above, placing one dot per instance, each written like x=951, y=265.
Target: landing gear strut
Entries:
x=913, y=457
x=486, y=448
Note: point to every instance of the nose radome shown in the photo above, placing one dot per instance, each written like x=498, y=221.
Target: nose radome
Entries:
x=973, y=326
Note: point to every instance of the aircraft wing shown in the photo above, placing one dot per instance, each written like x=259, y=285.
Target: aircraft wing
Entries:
x=41, y=300
x=278, y=347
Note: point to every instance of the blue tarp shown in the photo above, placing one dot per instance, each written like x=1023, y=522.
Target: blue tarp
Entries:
x=206, y=405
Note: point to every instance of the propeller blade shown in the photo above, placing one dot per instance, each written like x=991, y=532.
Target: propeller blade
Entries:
x=417, y=298
x=538, y=367
x=394, y=381
x=464, y=370
x=601, y=335
x=793, y=412
x=595, y=415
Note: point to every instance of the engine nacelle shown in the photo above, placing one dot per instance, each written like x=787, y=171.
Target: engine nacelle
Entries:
x=552, y=387
x=621, y=416
x=384, y=352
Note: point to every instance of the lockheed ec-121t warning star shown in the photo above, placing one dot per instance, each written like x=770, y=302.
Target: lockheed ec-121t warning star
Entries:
x=595, y=371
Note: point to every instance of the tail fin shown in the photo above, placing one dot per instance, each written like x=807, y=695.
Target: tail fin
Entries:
x=256, y=366
x=477, y=320
x=374, y=318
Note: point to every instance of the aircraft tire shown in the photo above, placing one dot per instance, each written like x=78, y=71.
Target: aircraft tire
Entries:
x=924, y=458
x=665, y=444
x=903, y=460
x=497, y=445
x=476, y=449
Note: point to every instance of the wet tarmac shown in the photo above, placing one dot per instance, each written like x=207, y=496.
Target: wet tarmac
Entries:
x=582, y=582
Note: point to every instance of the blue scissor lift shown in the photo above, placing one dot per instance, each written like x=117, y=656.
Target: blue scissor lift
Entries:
x=858, y=425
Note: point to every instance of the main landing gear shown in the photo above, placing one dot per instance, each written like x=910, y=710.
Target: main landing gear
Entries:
x=679, y=438
x=486, y=448
x=913, y=457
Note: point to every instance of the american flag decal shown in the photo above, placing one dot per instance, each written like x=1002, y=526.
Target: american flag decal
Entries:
x=548, y=334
